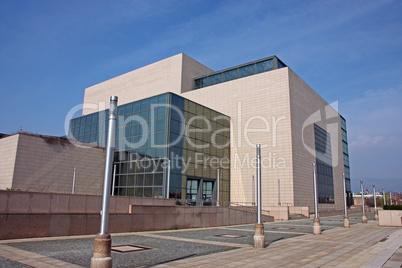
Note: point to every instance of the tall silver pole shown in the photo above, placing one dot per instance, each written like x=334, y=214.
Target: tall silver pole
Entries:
x=364, y=217
x=108, y=165
x=346, y=222
x=217, y=188
x=103, y=242
x=259, y=238
x=374, y=197
x=279, y=192
x=390, y=197
x=315, y=193
x=168, y=180
x=253, y=203
x=114, y=179
x=344, y=194
x=73, y=190
x=383, y=196
x=316, y=221
x=259, y=183
x=375, y=204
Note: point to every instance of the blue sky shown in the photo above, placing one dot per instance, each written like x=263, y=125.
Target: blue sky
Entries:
x=348, y=51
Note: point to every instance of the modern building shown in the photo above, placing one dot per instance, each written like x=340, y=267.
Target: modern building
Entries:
x=221, y=116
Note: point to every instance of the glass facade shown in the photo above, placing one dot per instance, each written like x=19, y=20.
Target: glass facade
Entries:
x=325, y=179
x=256, y=67
x=346, y=161
x=149, y=132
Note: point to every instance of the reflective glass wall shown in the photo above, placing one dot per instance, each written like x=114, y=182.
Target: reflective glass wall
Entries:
x=346, y=161
x=325, y=177
x=149, y=132
x=251, y=68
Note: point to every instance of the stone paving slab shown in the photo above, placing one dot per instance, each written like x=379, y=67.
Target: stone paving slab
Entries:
x=366, y=245
x=80, y=251
x=222, y=235
x=338, y=247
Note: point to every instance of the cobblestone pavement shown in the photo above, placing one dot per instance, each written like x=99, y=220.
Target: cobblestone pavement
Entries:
x=289, y=244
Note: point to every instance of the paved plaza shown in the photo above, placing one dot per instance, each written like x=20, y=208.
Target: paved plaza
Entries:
x=289, y=244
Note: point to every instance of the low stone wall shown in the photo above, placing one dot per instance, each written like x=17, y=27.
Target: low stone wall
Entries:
x=300, y=210
x=390, y=218
x=279, y=213
x=27, y=214
x=33, y=203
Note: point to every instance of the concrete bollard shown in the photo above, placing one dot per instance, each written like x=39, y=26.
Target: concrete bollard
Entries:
x=102, y=252
x=346, y=222
x=259, y=238
x=316, y=226
x=376, y=215
x=364, y=218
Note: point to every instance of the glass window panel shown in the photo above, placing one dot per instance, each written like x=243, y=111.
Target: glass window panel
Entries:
x=158, y=179
x=124, y=168
x=148, y=180
x=139, y=191
x=144, y=104
x=88, y=119
x=139, y=180
x=136, y=107
x=147, y=191
x=246, y=70
x=128, y=109
x=130, y=192
x=162, y=99
x=160, y=125
x=122, y=181
x=131, y=167
x=160, y=152
x=160, y=138
x=151, y=152
x=127, y=131
x=177, y=101
x=198, y=83
x=211, y=80
x=160, y=112
x=130, y=180
x=157, y=192
x=92, y=138
x=144, y=115
x=205, y=81
x=153, y=101
x=77, y=122
x=264, y=66
x=120, y=110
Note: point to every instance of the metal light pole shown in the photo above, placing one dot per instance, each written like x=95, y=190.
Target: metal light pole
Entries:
x=253, y=203
x=390, y=197
x=316, y=221
x=103, y=242
x=114, y=179
x=259, y=238
x=279, y=192
x=73, y=190
x=383, y=196
x=346, y=222
x=375, y=204
x=168, y=180
x=364, y=217
x=217, y=187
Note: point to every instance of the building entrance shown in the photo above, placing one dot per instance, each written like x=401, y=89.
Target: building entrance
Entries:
x=200, y=192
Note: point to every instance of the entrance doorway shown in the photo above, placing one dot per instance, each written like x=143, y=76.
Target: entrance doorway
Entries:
x=200, y=192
